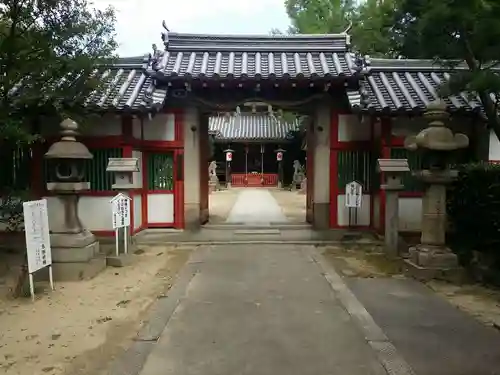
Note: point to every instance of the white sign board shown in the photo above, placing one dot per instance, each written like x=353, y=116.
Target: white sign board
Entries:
x=353, y=194
x=279, y=156
x=120, y=206
x=36, y=227
x=229, y=156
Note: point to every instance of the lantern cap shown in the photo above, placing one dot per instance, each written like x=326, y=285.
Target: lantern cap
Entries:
x=228, y=150
x=280, y=150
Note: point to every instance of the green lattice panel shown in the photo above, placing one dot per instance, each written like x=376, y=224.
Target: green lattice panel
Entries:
x=15, y=168
x=356, y=166
x=160, y=171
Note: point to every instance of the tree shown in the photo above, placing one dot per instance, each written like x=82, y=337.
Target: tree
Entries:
x=370, y=22
x=453, y=31
x=49, y=50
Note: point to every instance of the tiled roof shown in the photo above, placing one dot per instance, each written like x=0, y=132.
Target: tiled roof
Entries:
x=259, y=57
x=127, y=87
x=250, y=126
x=405, y=86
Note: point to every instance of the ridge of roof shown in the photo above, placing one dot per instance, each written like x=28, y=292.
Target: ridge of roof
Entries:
x=383, y=64
x=174, y=41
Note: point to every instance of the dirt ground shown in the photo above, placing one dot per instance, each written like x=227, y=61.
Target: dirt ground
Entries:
x=292, y=203
x=220, y=204
x=81, y=326
x=481, y=302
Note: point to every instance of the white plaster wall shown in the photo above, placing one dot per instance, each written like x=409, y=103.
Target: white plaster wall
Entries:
x=159, y=128
x=410, y=214
x=354, y=128
x=363, y=212
x=191, y=157
x=137, y=211
x=404, y=126
x=95, y=213
x=137, y=176
x=494, y=153
x=160, y=208
x=102, y=126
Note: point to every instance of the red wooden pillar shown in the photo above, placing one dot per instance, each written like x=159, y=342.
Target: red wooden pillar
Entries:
x=385, y=153
x=334, y=178
x=179, y=171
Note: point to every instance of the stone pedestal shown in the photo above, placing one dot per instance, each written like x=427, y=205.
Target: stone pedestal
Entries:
x=432, y=259
x=303, y=186
x=76, y=256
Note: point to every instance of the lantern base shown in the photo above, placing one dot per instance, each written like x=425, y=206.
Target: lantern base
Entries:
x=426, y=262
x=76, y=256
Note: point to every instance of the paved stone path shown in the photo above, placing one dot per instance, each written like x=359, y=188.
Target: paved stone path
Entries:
x=256, y=207
x=262, y=310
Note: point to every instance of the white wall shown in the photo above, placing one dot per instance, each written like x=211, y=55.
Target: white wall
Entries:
x=95, y=213
x=160, y=208
x=410, y=214
x=354, y=128
x=363, y=213
x=137, y=207
x=137, y=176
x=404, y=126
x=159, y=128
x=494, y=153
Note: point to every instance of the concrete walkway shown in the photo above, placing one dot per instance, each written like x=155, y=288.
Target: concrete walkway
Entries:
x=266, y=310
x=256, y=207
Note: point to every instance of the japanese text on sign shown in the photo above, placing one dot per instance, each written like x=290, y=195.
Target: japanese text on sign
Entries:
x=36, y=222
x=120, y=206
x=353, y=194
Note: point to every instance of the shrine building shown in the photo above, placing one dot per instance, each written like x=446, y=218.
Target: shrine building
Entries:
x=162, y=108
x=250, y=144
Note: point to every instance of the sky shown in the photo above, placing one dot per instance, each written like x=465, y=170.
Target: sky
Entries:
x=139, y=21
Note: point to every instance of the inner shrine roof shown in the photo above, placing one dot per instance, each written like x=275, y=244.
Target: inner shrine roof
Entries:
x=193, y=56
x=250, y=127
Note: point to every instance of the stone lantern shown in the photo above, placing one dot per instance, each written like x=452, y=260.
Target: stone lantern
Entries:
x=75, y=251
x=437, y=143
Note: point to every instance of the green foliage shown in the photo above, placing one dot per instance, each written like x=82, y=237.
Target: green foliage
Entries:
x=474, y=217
x=370, y=22
x=460, y=30
x=49, y=51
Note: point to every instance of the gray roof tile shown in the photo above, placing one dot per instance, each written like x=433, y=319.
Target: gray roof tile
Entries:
x=406, y=85
x=127, y=86
x=260, y=57
x=250, y=126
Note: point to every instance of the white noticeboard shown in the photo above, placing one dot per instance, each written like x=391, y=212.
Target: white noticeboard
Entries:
x=120, y=206
x=229, y=156
x=36, y=228
x=353, y=194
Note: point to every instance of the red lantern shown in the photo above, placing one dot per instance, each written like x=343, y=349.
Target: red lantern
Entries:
x=279, y=156
x=229, y=156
